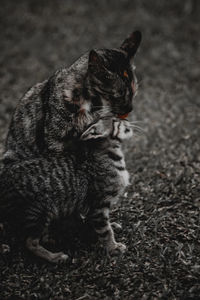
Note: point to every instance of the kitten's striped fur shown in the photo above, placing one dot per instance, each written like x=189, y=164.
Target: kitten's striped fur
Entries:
x=91, y=181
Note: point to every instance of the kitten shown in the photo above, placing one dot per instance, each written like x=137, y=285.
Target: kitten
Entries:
x=43, y=190
x=61, y=108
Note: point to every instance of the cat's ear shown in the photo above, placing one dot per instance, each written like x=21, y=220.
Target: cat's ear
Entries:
x=95, y=131
x=131, y=44
x=95, y=61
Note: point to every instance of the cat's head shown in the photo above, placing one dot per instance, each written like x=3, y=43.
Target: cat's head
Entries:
x=113, y=128
x=111, y=76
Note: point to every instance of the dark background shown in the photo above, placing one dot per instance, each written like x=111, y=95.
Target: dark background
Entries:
x=161, y=215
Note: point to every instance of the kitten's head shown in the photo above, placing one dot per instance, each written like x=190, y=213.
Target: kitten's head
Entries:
x=111, y=76
x=113, y=128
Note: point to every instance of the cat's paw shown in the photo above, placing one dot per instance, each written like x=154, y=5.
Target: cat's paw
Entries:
x=59, y=258
x=116, y=249
x=116, y=226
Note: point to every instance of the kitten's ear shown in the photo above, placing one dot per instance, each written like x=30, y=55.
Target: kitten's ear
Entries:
x=131, y=44
x=95, y=131
x=95, y=61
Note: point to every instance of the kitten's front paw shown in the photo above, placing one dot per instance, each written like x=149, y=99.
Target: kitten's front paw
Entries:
x=59, y=258
x=116, y=249
x=116, y=226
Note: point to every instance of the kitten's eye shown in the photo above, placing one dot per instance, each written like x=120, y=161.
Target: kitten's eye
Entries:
x=125, y=74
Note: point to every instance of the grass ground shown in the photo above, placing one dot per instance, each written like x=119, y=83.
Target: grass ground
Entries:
x=161, y=214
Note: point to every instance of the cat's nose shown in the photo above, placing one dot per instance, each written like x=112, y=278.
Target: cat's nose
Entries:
x=129, y=108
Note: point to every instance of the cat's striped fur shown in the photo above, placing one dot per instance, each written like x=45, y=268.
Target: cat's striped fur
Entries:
x=61, y=108
x=42, y=190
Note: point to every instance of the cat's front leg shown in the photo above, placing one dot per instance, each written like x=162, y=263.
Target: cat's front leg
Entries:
x=34, y=246
x=116, y=226
x=105, y=232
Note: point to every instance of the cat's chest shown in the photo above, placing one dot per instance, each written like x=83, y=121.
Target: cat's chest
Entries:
x=124, y=178
x=117, y=157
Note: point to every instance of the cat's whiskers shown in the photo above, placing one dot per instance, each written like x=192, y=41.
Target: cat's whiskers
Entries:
x=137, y=129
x=102, y=107
x=137, y=134
x=139, y=82
x=104, y=111
x=105, y=106
x=136, y=122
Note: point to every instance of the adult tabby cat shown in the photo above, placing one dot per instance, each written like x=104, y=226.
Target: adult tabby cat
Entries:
x=60, y=108
x=42, y=190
